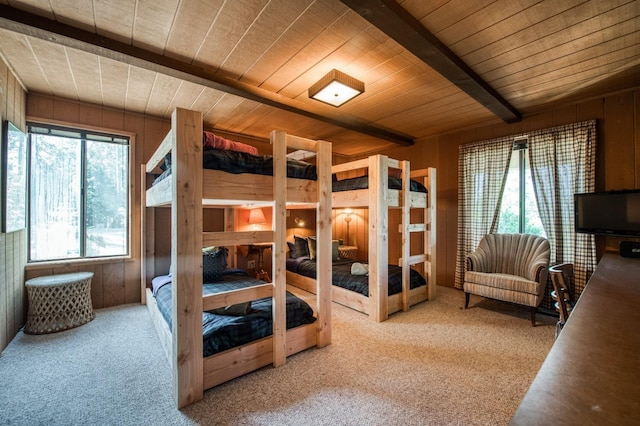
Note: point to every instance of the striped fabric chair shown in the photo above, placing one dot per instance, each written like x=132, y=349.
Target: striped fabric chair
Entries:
x=509, y=267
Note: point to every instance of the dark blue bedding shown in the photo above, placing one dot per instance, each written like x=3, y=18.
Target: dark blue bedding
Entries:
x=359, y=283
x=242, y=162
x=362, y=182
x=222, y=332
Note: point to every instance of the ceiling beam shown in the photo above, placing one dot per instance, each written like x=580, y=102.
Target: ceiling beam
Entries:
x=55, y=32
x=392, y=19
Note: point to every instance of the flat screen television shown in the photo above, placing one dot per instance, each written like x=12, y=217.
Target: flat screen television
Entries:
x=608, y=213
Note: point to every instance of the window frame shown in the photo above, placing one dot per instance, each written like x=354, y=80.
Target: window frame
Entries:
x=33, y=264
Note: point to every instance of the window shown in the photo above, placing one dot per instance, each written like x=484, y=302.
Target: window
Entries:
x=78, y=194
x=518, y=209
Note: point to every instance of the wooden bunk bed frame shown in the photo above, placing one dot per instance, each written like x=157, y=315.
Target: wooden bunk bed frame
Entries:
x=378, y=198
x=186, y=192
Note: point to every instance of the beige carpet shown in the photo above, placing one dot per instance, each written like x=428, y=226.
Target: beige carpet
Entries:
x=437, y=364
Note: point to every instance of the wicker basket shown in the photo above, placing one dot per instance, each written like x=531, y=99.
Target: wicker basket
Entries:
x=59, y=302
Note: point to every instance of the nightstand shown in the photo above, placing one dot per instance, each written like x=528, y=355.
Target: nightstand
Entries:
x=348, y=252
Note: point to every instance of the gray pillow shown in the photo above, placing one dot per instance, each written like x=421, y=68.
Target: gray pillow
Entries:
x=292, y=250
x=302, y=246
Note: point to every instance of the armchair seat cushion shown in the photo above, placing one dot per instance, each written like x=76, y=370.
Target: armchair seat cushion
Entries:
x=503, y=281
x=512, y=296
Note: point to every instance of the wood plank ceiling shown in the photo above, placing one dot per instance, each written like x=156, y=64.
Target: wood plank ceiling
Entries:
x=530, y=53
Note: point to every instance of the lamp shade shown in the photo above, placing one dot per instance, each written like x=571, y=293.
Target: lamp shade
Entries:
x=336, y=88
x=256, y=216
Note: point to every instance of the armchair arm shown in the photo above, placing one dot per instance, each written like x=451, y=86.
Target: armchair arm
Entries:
x=476, y=261
x=538, y=271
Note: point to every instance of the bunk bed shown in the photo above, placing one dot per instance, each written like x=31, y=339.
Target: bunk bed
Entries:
x=374, y=192
x=186, y=190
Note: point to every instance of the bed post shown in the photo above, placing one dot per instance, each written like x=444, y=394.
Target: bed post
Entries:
x=323, y=224
x=186, y=256
x=143, y=243
x=430, y=234
x=378, y=238
x=279, y=144
x=405, y=236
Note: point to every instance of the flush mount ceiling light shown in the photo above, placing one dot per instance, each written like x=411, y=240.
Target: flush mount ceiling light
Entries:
x=336, y=88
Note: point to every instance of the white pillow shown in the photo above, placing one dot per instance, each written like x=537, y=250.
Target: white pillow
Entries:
x=358, y=268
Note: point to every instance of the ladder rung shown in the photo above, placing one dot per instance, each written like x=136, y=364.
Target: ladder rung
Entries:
x=414, y=227
x=415, y=259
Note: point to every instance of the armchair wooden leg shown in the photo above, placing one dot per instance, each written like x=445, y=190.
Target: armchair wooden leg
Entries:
x=466, y=300
x=533, y=316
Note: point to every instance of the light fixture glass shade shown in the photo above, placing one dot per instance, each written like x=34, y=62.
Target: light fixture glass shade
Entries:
x=336, y=88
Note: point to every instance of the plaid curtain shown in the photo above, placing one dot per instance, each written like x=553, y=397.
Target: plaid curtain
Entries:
x=482, y=173
x=562, y=163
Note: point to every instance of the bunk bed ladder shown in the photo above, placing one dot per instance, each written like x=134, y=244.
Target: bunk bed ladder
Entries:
x=430, y=232
x=426, y=226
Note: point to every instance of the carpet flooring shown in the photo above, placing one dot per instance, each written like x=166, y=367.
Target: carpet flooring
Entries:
x=437, y=364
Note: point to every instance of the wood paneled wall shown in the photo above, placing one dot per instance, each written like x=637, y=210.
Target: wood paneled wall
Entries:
x=114, y=282
x=618, y=159
x=13, y=246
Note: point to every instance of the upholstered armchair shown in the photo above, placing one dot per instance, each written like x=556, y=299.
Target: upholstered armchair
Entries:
x=509, y=267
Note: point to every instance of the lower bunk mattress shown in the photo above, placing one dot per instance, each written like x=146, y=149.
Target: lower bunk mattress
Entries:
x=222, y=332
x=342, y=276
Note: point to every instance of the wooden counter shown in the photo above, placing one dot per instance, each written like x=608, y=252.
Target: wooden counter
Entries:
x=592, y=373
